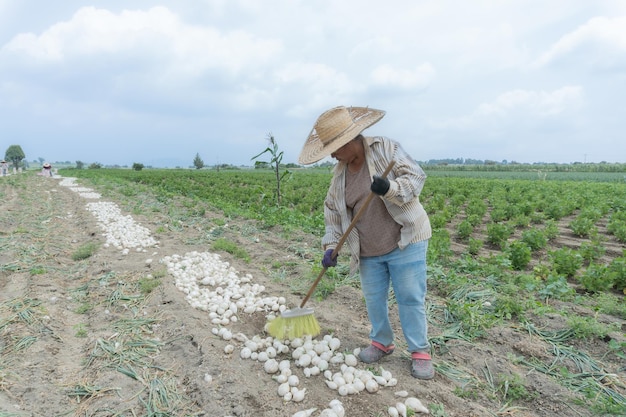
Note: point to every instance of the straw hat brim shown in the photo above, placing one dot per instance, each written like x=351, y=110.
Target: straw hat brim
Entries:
x=315, y=149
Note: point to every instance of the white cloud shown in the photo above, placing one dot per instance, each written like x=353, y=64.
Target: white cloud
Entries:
x=520, y=107
x=147, y=61
x=133, y=34
x=600, y=41
x=538, y=103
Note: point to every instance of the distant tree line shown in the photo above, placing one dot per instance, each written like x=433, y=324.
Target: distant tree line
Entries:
x=460, y=164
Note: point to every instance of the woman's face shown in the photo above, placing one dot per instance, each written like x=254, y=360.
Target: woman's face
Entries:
x=347, y=153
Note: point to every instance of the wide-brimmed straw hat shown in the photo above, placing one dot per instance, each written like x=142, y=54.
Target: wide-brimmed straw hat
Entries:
x=46, y=165
x=334, y=128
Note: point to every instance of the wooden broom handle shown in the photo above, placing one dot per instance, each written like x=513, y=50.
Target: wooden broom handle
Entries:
x=345, y=235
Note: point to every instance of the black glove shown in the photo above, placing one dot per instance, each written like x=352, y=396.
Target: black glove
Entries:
x=327, y=261
x=380, y=185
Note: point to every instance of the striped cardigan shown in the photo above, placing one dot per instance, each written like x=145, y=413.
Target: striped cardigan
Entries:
x=402, y=200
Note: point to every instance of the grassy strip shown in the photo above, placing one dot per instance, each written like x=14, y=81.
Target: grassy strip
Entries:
x=18, y=310
x=163, y=398
x=597, y=385
x=454, y=373
x=131, y=350
x=84, y=392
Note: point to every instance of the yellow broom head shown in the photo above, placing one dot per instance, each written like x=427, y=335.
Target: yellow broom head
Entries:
x=294, y=323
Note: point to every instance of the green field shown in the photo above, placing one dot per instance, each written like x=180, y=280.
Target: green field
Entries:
x=510, y=213
x=508, y=248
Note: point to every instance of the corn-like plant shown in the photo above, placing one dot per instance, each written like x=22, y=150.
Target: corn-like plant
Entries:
x=274, y=163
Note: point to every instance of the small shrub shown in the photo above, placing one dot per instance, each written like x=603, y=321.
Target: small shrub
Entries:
x=591, y=251
x=617, y=271
x=438, y=220
x=498, y=215
x=85, y=251
x=81, y=330
x=596, y=278
x=589, y=327
x=128, y=191
x=618, y=348
x=509, y=306
x=609, y=303
x=519, y=254
x=582, y=226
x=474, y=246
x=476, y=208
x=147, y=285
x=551, y=230
x=555, y=211
x=521, y=221
x=232, y=248
x=537, y=217
x=439, y=246
x=137, y=166
x=38, y=270
x=557, y=288
x=498, y=234
x=474, y=220
x=617, y=225
x=526, y=282
x=619, y=231
x=472, y=316
x=436, y=203
x=535, y=239
x=542, y=272
x=159, y=273
x=464, y=230
x=511, y=388
x=512, y=211
x=566, y=261
x=218, y=221
x=197, y=212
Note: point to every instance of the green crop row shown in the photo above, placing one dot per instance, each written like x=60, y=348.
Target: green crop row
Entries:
x=517, y=218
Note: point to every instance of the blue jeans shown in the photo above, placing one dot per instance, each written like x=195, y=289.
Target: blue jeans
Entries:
x=406, y=271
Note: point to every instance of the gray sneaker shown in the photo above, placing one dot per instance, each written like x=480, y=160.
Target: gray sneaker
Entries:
x=373, y=353
x=422, y=366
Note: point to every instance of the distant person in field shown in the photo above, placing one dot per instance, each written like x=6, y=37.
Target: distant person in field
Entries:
x=389, y=242
x=46, y=170
x=4, y=168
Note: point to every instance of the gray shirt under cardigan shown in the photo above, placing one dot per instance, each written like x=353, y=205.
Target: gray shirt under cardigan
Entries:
x=406, y=181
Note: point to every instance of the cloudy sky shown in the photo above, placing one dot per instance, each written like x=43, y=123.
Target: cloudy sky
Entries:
x=157, y=81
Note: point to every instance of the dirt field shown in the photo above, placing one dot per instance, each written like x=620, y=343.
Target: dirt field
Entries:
x=87, y=337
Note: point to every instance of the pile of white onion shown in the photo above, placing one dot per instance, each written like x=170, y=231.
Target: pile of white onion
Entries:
x=402, y=408
x=214, y=286
x=120, y=231
x=314, y=357
x=335, y=409
x=82, y=191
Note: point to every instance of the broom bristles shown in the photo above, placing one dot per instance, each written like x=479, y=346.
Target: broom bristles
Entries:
x=290, y=328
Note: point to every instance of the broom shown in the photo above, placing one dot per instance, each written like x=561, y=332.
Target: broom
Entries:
x=301, y=321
